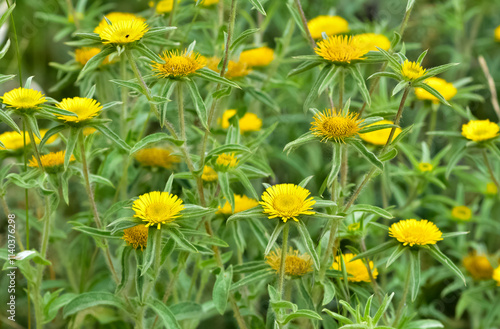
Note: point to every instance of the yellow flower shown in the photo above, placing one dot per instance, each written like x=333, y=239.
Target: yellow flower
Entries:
x=241, y=203
x=461, y=212
x=478, y=266
x=165, y=6
x=414, y=232
x=178, y=64
x=425, y=166
x=226, y=161
x=331, y=124
x=116, y=17
x=88, y=131
x=261, y=56
x=480, y=130
x=83, y=55
x=497, y=33
x=23, y=99
x=207, y=3
x=496, y=275
x=372, y=40
x=123, y=32
x=353, y=227
x=355, y=268
x=329, y=24
x=341, y=49
x=156, y=157
x=233, y=70
x=295, y=264
x=249, y=121
x=412, y=70
x=84, y=108
x=491, y=188
x=157, y=208
x=380, y=137
x=446, y=89
x=14, y=140
x=209, y=174
x=52, y=162
x=287, y=201
x=136, y=236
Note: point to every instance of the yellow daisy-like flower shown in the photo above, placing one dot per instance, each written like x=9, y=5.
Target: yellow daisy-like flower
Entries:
x=415, y=232
x=116, y=17
x=178, y=64
x=353, y=227
x=52, y=162
x=207, y=3
x=341, y=49
x=249, y=121
x=446, y=89
x=261, y=56
x=329, y=24
x=333, y=125
x=226, y=161
x=496, y=275
x=491, y=188
x=136, y=236
x=412, y=70
x=23, y=99
x=462, y=213
x=156, y=157
x=209, y=174
x=373, y=40
x=164, y=6
x=14, y=140
x=234, y=69
x=355, y=268
x=157, y=208
x=497, y=33
x=295, y=263
x=425, y=166
x=84, y=108
x=478, y=266
x=83, y=55
x=241, y=203
x=480, y=130
x=287, y=201
x=380, y=137
x=123, y=32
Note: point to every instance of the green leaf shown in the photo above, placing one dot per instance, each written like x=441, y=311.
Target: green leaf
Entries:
x=148, y=53
x=443, y=259
x=125, y=262
x=186, y=311
x=91, y=299
x=494, y=149
x=414, y=273
x=336, y=164
x=181, y=240
x=252, y=213
x=215, y=77
x=131, y=84
x=200, y=107
x=360, y=81
x=70, y=145
x=153, y=138
x=113, y=136
x=372, y=210
x=372, y=158
x=338, y=317
x=389, y=155
x=304, y=139
x=308, y=243
x=158, y=31
x=254, y=277
x=433, y=92
x=385, y=74
x=377, y=127
x=302, y=314
x=149, y=254
x=227, y=149
x=236, y=42
x=401, y=135
x=257, y=5
x=95, y=61
x=391, y=60
x=243, y=179
x=396, y=254
x=378, y=249
x=314, y=93
x=32, y=124
x=305, y=66
x=4, y=117
x=456, y=156
x=329, y=291
x=263, y=97
x=95, y=232
x=437, y=70
x=57, y=111
x=167, y=317
x=222, y=286
x=386, y=302
x=226, y=189
x=7, y=13
x=274, y=236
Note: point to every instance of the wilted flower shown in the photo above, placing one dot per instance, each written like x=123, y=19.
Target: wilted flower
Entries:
x=295, y=264
x=478, y=266
x=136, y=236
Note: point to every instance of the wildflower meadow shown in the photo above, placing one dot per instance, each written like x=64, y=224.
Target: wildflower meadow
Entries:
x=250, y=164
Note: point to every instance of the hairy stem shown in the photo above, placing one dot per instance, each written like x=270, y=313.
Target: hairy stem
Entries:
x=284, y=248
x=402, y=302
x=304, y=23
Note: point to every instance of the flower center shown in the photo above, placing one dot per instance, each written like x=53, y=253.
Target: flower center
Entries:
x=157, y=212
x=337, y=126
x=286, y=203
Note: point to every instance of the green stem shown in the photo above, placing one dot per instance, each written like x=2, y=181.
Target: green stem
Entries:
x=432, y=123
x=284, y=248
x=402, y=302
x=35, y=147
x=490, y=169
x=18, y=55
x=341, y=88
x=123, y=114
x=230, y=32
x=304, y=23
x=26, y=198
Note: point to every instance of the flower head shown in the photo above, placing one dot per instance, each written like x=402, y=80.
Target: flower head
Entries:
x=497, y=33
x=380, y=137
x=331, y=124
x=425, y=167
x=496, y=275
x=415, y=232
x=116, y=17
x=136, y=236
x=157, y=208
x=329, y=24
x=295, y=264
x=12, y=140
x=23, y=99
x=83, y=55
x=156, y=157
x=241, y=203
x=355, y=268
x=478, y=266
x=123, y=32
x=287, y=201
x=249, y=121
x=461, y=213
x=372, y=40
x=234, y=69
x=412, y=70
x=341, y=49
x=209, y=174
x=178, y=64
x=353, y=227
x=261, y=56
x=491, y=188
x=226, y=161
x=52, y=162
x=207, y=3
x=446, y=89
x=480, y=130
x=84, y=108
